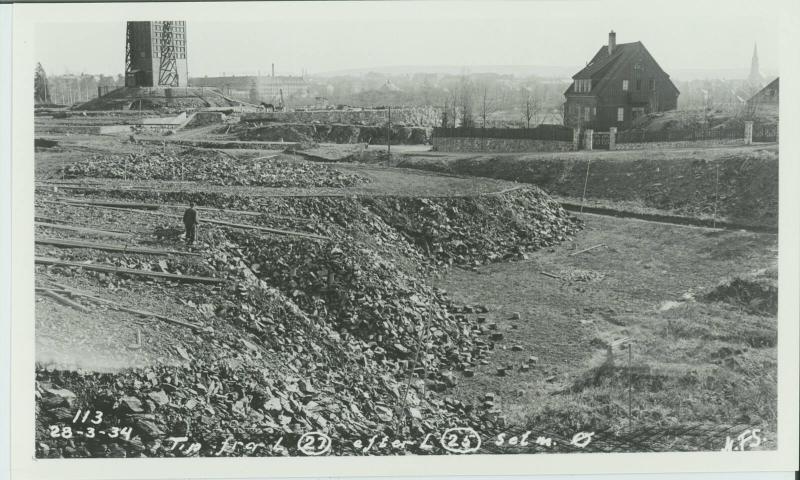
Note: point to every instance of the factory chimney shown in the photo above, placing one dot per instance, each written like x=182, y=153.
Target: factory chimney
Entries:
x=612, y=41
x=273, y=70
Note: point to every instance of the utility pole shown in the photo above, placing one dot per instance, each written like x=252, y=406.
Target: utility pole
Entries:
x=388, y=137
x=630, y=388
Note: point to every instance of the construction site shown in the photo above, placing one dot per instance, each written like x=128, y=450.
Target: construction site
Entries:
x=346, y=283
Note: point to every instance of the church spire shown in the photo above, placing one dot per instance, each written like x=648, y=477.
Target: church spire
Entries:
x=755, y=75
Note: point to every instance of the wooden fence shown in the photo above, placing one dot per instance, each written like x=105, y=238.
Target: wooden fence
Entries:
x=765, y=133
x=684, y=135
x=542, y=132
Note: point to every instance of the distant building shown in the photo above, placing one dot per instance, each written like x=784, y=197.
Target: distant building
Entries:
x=155, y=54
x=258, y=88
x=768, y=95
x=621, y=83
x=755, y=79
x=389, y=87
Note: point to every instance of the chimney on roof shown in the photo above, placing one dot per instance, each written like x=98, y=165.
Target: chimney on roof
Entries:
x=612, y=41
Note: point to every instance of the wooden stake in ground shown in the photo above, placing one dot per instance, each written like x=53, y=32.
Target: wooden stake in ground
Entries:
x=630, y=388
x=585, y=184
x=716, y=193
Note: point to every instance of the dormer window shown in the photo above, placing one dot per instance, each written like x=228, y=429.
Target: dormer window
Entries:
x=583, y=86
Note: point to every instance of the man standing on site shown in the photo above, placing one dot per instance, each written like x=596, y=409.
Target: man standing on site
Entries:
x=190, y=222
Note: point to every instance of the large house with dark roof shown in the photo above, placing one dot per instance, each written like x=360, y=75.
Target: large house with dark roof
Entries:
x=621, y=83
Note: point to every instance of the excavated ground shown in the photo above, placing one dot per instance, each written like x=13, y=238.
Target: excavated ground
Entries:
x=404, y=304
x=332, y=329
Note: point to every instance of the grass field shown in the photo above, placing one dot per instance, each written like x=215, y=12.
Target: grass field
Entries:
x=691, y=360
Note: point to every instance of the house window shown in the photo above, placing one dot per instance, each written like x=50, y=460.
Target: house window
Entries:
x=586, y=114
x=583, y=86
x=624, y=85
x=620, y=114
x=653, y=84
x=638, y=84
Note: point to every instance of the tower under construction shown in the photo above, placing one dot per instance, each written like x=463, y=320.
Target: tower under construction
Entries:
x=155, y=54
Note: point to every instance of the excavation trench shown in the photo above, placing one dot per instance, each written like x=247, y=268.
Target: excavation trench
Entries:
x=342, y=334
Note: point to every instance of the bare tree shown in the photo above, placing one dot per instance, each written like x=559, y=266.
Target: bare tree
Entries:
x=454, y=106
x=466, y=99
x=41, y=90
x=487, y=106
x=531, y=106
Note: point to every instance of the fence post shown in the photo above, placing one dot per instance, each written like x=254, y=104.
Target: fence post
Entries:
x=612, y=138
x=576, y=138
x=587, y=141
x=748, y=133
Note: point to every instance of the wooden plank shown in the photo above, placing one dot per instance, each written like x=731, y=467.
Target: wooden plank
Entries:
x=223, y=152
x=117, y=306
x=247, y=213
x=267, y=229
x=73, y=228
x=60, y=242
x=104, y=203
x=587, y=249
x=216, y=222
x=548, y=274
x=129, y=271
x=202, y=209
x=63, y=300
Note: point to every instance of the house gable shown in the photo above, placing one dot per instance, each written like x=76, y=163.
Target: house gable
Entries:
x=626, y=81
x=624, y=69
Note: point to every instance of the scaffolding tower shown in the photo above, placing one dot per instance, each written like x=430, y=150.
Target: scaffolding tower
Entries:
x=168, y=68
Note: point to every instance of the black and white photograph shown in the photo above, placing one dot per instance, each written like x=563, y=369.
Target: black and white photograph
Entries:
x=427, y=229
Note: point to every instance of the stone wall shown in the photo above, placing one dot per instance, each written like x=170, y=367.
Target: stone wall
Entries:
x=499, y=145
x=414, y=116
x=678, y=144
x=335, y=133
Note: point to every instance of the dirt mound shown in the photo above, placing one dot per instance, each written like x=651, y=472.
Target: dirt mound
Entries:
x=756, y=293
x=469, y=231
x=741, y=186
x=217, y=168
x=342, y=336
x=289, y=376
x=363, y=295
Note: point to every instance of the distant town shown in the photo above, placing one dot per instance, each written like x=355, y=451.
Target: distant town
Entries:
x=501, y=98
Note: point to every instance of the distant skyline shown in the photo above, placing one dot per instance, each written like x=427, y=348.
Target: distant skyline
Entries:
x=716, y=39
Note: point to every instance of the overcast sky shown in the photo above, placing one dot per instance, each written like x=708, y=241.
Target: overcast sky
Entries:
x=683, y=36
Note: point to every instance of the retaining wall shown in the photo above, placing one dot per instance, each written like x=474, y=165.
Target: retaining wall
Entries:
x=499, y=145
x=418, y=116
